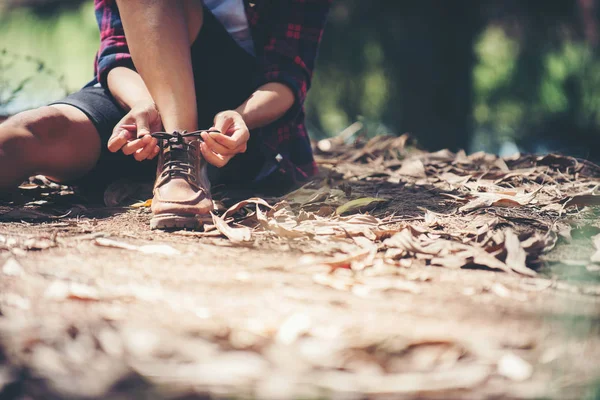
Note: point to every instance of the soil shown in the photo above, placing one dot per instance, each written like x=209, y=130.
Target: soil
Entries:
x=95, y=305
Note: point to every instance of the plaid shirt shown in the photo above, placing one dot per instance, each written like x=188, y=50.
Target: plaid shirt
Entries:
x=286, y=35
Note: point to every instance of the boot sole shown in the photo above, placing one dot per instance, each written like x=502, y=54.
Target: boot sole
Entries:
x=174, y=221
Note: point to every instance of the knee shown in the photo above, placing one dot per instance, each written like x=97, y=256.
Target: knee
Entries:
x=40, y=122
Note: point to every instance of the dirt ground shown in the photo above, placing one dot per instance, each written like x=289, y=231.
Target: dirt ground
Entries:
x=395, y=274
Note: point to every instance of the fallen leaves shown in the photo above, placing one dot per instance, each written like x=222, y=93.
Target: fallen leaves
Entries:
x=155, y=249
x=12, y=267
x=500, y=199
x=516, y=256
x=60, y=290
x=514, y=368
x=376, y=234
x=413, y=167
x=236, y=235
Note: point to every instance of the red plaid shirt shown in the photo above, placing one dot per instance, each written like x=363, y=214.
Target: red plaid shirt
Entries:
x=288, y=33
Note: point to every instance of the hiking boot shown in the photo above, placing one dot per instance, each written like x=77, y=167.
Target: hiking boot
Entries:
x=182, y=189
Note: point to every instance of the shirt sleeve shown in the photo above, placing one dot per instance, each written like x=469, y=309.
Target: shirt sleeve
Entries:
x=292, y=44
x=114, y=51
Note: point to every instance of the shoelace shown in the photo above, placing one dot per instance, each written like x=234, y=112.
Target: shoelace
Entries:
x=178, y=162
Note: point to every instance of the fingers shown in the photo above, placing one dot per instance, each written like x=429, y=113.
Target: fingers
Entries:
x=217, y=147
x=119, y=139
x=154, y=153
x=142, y=123
x=236, y=141
x=136, y=144
x=148, y=151
x=224, y=121
x=218, y=160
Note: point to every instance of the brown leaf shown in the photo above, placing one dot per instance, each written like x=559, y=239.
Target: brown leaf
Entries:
x=454, y=180
x=60, y=290
x=514, y=368
x=516, y=256
x=442, y=381
x=335, y=282
x=413, y=167
x=590, y=198
x=270, y=224
x=293, y=328
x=12, y=268
x=365, y=255
x=236, y=235
x=235, y=208
x=507, y=199
x=482, y=257
x=404, y=240
x=160, y=249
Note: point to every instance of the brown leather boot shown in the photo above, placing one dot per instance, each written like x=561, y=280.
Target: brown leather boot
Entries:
x=182, y=189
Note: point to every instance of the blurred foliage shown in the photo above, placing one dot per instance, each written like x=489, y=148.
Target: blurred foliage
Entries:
x=483, y=74
x=52, y=49
x=20, y=73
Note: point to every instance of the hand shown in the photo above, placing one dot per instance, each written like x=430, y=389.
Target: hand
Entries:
x=132, y=133
x=219, y=148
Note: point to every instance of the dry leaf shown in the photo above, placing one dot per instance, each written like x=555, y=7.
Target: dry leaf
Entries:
x=270, y=224
x=588, y=198
x=12, y=268
x=292, y=328
x=514, y=368
x=516, y=255
x=160, y=249
x=343, y=283
x=235, y=208
x=144, y=204
x=485, y=199
x=413, y=167
x=14, y=300
x=346, y=260
x=443, y=381
x=61, y=290
x=369, y=285
x=236, y=235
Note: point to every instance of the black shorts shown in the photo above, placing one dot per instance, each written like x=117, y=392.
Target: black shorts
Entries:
x=225, y=76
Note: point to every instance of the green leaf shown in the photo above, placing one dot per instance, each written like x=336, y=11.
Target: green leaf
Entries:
x=363, y=204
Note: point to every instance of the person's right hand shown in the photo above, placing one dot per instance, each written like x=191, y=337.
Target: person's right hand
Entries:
x=132, y=134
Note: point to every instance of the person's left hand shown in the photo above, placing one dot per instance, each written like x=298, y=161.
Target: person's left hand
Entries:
x=219, y=148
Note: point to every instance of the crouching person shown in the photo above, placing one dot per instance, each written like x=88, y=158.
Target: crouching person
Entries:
x=192, y=91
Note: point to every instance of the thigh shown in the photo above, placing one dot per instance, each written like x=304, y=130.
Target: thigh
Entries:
x=59, y=141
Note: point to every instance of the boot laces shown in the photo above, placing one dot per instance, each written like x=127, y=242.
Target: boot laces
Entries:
x=178, y=160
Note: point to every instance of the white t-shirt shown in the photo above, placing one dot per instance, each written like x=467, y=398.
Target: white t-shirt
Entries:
x=232, y=14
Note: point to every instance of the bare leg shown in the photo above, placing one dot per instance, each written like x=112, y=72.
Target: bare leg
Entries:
x=58, y=141
x=160, y=48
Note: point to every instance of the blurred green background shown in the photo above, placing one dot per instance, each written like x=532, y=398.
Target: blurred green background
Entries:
x=494, y=75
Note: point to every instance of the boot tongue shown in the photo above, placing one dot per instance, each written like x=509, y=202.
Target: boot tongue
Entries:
x=177, y=161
